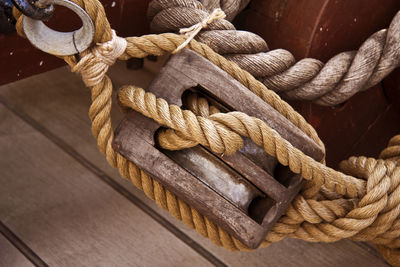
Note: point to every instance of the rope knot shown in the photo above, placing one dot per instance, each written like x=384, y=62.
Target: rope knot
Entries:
x=193, y=30
x=94, y=66
x=378, y=211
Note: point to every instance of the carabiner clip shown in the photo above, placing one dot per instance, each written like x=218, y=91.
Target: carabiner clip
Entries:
x=31, y=10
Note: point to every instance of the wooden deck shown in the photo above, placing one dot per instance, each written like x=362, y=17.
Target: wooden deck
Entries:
x=61, y=204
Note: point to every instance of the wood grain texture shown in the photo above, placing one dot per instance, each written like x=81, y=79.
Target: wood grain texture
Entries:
x=134, y=139
x=70, y=218
x=188, y=69
x=315, y=28
x=59, y=101
x=322, y=29
x=181, y=182
x=10, y=256
x=21, y=246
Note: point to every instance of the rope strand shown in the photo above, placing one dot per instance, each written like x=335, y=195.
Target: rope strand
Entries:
x=308, y=79
x=192, y=31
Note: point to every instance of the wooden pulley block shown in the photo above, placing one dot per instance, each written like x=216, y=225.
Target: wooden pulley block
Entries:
x=245, y=193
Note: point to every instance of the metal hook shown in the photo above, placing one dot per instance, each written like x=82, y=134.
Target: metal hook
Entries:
x=60, y=43
x=7, y=20
x=32, y=11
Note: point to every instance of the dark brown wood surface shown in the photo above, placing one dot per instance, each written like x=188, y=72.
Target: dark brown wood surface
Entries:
x=133, y=142
x=391, y=87
x=20, y=59
x=189, y=70
x=322, y=29
x=55, y=104
x=315, y=28
x=135, y=137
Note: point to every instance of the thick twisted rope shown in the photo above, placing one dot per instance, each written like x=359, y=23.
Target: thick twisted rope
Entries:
x=208, y=133
x=171, y=139
x=374, y=218
x=200, y=106
x=257, y=130
x=192, y=31
x=393, y=149
x=345, y=206
x=323, y=231
x=308, y=79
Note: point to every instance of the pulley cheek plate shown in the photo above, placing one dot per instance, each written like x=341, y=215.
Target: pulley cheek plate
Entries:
x=237, y=192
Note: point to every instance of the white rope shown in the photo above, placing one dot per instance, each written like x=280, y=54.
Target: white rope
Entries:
x=192, y=31
x=95, y=64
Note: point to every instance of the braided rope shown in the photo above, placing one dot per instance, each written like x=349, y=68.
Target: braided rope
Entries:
x=308, y=79
x=345, y=207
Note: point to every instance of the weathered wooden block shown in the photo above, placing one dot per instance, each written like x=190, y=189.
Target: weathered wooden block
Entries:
x=245, y=193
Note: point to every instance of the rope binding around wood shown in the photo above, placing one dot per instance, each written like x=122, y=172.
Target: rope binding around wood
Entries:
x=361, y=203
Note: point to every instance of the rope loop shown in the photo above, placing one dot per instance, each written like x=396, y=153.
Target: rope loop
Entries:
x=94, y=65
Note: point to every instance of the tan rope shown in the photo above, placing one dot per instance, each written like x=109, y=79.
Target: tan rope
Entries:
x=308, y=79
x=362, y=203
x=192, y=31
x=94, y=65
x=226, y=141
x=393, y=149
x=174, y=140
x=208, y=133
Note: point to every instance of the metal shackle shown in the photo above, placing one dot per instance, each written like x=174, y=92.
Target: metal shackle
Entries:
x=60, y=43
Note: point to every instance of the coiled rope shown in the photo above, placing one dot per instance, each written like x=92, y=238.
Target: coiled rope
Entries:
x=308, y=79
x=363, y=203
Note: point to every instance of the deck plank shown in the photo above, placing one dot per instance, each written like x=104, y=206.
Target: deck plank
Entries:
x=58, y=101
x=68, y=216
x=10, y=256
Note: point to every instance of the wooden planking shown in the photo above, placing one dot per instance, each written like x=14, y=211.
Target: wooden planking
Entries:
x=62, y=110
x=67, y=216
x=21, y=246
x=10, y=256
